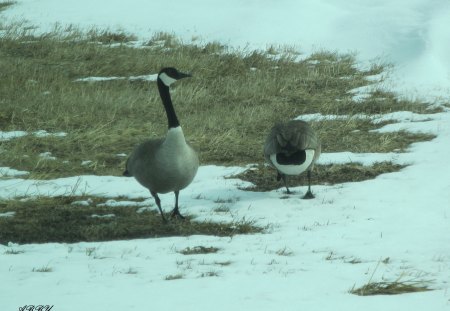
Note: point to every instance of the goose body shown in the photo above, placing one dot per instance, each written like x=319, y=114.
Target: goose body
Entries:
x=167, y=164
x=292, y=148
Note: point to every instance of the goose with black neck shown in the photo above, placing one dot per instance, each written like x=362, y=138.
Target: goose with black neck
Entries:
x=166, y=164
x=292, y=148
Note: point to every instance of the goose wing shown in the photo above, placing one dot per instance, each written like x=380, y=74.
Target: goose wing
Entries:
x=290, y=137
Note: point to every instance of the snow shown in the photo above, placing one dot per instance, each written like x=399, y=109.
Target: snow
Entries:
x=103, y=216
x=151, y=77
x=7, y=214
x=47, y=156
x=83, y=202
x=4, y=136
x=12, y=134
x=7, y=171
x=43, y=133
x=395, y=226
x=362, y=158
x=406, y=116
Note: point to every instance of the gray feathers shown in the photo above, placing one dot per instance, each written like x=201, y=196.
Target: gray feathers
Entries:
x=167, y=164
x=170, y=164
x=292, y=148
x=162, y=166
x=290, y=137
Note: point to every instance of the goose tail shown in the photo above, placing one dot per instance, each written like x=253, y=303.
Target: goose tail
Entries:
x=126, y=173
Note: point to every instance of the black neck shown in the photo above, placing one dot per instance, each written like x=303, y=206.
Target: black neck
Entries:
x=167, y=102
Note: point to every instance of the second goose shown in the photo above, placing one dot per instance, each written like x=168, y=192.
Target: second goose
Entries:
x=292, y=148
x=167, y=164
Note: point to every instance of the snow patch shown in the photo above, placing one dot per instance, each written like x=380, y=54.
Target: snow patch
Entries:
x=7, y=214
x=150, y=77
x=103, y=216
x=47, y=156
x=4, y=136
x=87, y=202
x=10, y=172
x=114, y=203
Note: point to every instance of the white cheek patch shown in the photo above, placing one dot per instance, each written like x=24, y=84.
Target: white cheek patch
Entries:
x=166, y=79
x=293, y=169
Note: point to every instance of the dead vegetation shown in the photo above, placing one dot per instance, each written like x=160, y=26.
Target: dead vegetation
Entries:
x=390, y=288
x=263, y=177
x=58, y=219
x=226, y=109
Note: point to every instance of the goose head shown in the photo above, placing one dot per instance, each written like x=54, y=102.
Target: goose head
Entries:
x=169, y=75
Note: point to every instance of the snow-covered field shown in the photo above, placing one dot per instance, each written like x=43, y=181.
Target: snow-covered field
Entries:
x=396, y=226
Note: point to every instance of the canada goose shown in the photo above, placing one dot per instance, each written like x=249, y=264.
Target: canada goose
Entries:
x=166, y=164
x=292, y=148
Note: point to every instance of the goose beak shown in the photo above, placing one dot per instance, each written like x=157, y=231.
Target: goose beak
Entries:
x=182, y=75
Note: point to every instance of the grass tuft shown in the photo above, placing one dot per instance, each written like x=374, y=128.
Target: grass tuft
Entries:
x=13, y=252
x=222, y=208
x=228, y=200
x=5, y=4
x=110, y=37
x=209, y=274
x=390, y=288
x=284, y=252
x=43, y=269
x=199, y=250
x=90, y=251
x=174, y=277
x=130, y=271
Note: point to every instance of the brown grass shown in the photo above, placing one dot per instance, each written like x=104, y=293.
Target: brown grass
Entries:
x=226, y=109
x=263, y=177
x=56, y=219
x=5, y=4
x=390, y=288
x=196, y=250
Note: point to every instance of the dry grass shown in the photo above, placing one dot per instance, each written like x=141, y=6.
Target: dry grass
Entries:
x=56, y=219
x=390, y=288
x=263, y=177
x=199, y=250
x=174, y=277
x=13, y=252
x=44, y=269
x=226, y=109
x=5, y=4
x=396, y=287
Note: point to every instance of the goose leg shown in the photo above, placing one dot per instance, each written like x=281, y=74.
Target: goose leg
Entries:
x=284, y=178
x=309, y=194
x=158, y=203
x=175, y=212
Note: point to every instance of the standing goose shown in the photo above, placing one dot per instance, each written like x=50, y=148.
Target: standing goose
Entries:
x=292, y=148
x=167, y=164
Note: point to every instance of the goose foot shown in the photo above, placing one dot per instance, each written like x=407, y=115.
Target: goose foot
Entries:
x=176, y=214
x=164, y=219
x=308, y=195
